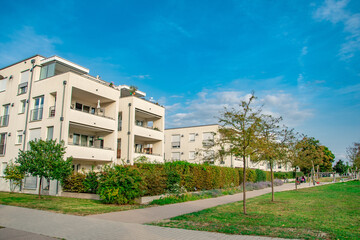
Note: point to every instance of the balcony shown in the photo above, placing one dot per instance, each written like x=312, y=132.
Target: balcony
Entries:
x=90, y=153
x=150, y=157
x=36, y=114
x=22, y=89
x=4, y=121
x=148, y=133
x=91, y=120
x=52, y=111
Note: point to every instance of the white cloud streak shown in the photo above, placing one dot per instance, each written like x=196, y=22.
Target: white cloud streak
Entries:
x=334, y=11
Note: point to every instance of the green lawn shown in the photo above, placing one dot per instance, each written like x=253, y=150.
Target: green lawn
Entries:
x=66, y=205
x=325, y=212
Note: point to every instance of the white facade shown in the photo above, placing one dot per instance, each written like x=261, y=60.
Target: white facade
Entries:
x=53, y=98
x=196, y=144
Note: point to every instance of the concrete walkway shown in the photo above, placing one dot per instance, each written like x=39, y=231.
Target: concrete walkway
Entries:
x=152, y=214
x=116, y=225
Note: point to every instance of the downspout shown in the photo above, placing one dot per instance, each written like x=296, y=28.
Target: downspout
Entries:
x=128, y=133
x=61, y=124
x=28, y=101
x=62, y=110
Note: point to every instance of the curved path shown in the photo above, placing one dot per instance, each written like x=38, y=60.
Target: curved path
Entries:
x=119, y=225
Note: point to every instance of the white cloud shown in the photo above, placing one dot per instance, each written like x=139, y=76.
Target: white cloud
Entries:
x=304, y=51
x=26, y=43
x=334, y=11
x=207, y=106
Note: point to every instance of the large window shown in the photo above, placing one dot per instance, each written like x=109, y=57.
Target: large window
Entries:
x=2, y=143
x=47, y=71
x=76, y=139
x=119, y=121
x=24, y=79
x=191, y=155
x=5, y=117
x=37, y=112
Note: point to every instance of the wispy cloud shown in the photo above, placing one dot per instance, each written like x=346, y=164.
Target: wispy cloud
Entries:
x=350, y=89
x=25, y=43
x=335, y=12
x=178, y=28
x=208, y=105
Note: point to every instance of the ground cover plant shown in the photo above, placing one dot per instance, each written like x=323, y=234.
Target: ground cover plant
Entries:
x=324, y=212
x=65, y=205
x=177, y=198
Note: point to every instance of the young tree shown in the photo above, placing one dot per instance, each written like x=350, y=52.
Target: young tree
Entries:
x=340, y=167
x=240, y=129
x=293, y=152
x=13, y=175
x=353, y=154
x=45, y=159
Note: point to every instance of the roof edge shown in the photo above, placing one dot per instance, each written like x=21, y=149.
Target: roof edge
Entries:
x=215, y=124
x=36, y=55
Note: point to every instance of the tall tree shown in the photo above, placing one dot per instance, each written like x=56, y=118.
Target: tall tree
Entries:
x=293, y=152
x=340, y=167
x=327, y=159
x=45, y=159
x=353, y=154
x=240, y=129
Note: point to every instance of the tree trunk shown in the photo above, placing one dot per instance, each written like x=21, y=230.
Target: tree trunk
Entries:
x=40, y=187
x=313, y=173
x=272, y=182
x=244, y=185
x=295, y=178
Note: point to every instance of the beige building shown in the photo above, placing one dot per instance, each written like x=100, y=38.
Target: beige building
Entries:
x=197, y=144
x=53, y=98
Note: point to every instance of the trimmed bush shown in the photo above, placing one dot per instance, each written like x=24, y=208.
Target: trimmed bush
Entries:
x=287, y=175
x=119, y=185
x=260, y=175
x=75, y=183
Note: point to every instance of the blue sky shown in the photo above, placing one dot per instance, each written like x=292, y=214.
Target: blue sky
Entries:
x=301, y=58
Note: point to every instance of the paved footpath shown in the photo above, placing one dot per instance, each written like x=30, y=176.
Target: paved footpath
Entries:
x=115, y=225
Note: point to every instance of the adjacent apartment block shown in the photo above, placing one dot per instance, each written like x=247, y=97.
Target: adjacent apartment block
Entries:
x=197, y=144
x=100, y=123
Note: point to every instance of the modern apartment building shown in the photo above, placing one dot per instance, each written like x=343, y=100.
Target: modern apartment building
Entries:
x=197, y=144
x=53, y=98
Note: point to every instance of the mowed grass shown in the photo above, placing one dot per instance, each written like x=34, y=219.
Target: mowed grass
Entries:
x=66, y=205
x=325, y=212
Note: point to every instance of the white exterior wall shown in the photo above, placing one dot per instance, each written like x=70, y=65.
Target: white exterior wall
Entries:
x=187, y=146
x=79, y=88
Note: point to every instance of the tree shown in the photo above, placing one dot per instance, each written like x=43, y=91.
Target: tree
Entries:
x=353, y=154
x=272, y=144
x=45, y=159
x=327, y=160
x=340, y=167
x=293, y=152
x=311, y=154
x=240, y=128
x=14, y=175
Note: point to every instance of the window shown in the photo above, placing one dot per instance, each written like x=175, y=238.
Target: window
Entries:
x=192, y=137
x=47, y=71
x=175, y=141
x=50, y=133
x=2, y=143
x=208, y=139
x=86, y=109
x=91, y=141
x=22, y=106
x=76, y=139
x=3, y=167
x=139, y=123
x=19, y=137
x=37, y=112
x=5, y=117
x=22, y=88
x=175, y=156
x=191, y=155
x=24, y=79
x=78, y=106
x=3, y=83
x=119, y=121
x=138, y=148
x=84, y=140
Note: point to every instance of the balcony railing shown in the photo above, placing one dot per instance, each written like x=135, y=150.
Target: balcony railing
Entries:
x=153, y=128
x=4, y=121
x=98, y=147
x=36, y=114
x=22, y=89
x=147, y=153
x=93, y=111
x=52, y=111
x=175, y=144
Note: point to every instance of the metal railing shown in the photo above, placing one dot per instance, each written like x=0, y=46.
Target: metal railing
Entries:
x=36, y=114
x=4, y=121
x=98, y=112
x=97, y=147
x=52, y=111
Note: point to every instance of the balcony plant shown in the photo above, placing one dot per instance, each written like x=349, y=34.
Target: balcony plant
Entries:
x=133, y=90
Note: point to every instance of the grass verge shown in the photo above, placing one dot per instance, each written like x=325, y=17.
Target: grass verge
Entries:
x=66, y=205
x=325, y=212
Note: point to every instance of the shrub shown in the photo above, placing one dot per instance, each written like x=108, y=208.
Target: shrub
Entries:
x=154, y=179
x=75, y=183
x=119, y=184
x=287, y=175
x=91, y=182
x=260, y=175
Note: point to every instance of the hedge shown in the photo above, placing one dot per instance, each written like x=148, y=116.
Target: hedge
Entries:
x=148, y=179
x=287, y=175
